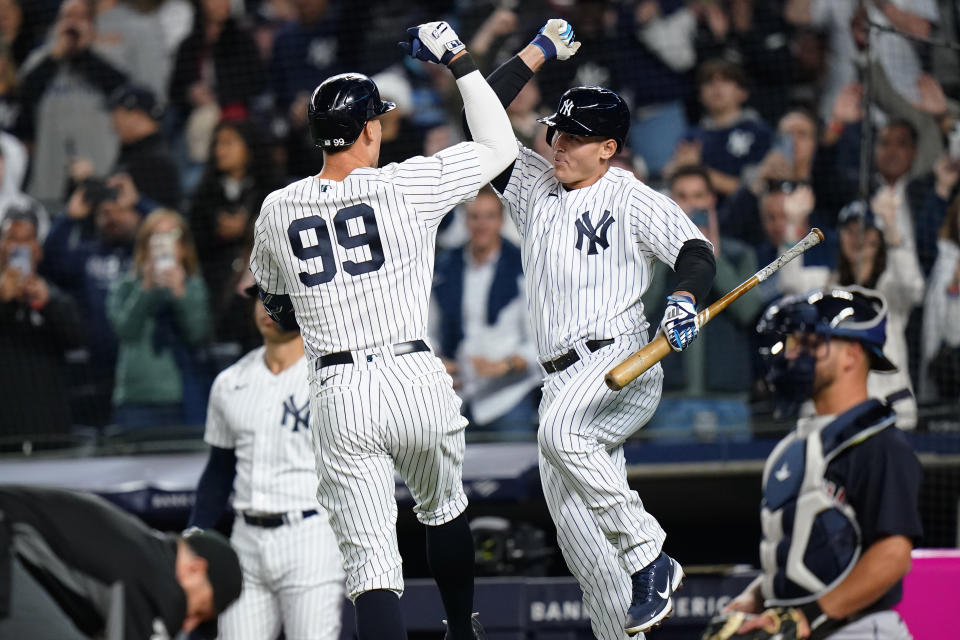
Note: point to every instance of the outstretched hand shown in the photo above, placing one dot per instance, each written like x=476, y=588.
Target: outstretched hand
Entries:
x=557, y=40
x=435, y=42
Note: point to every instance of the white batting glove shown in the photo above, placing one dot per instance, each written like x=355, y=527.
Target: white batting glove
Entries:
x=680, y=324
x=433, y=42
x=557, y=40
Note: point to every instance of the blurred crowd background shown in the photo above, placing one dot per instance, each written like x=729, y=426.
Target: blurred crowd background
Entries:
x=140, y=137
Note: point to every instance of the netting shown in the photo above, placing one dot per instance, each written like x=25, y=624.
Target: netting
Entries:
x=761, y=118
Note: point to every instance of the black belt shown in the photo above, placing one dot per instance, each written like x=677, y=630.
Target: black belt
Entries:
x=273, y=520
x=346, y=357
x=562, y=362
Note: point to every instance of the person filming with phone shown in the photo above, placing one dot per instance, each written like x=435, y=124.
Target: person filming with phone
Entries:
x=38, y=323
x=160, y=314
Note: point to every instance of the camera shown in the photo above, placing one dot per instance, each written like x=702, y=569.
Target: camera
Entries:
x=96, y=191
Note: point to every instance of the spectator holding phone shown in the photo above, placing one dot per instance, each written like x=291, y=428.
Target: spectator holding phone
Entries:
x=38, y=323
x=87, y=250
x=159, y=312
x=695, y=391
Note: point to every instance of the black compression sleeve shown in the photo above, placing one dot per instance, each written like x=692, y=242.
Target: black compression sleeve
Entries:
x=507, y=81
x=214, y=488
x=695, y=269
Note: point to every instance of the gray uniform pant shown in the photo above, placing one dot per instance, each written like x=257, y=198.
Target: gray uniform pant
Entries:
x=883, y=625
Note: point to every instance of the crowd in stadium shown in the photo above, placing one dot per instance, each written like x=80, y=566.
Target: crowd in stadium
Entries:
x=140, y=137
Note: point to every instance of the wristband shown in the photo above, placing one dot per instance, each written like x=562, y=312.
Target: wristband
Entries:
x=813, y=613
x=462, y=66
x=546, y=45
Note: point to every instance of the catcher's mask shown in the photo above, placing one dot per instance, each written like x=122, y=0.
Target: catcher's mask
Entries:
x=792, y=329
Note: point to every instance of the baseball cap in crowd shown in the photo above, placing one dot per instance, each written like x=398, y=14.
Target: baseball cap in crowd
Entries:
x=857, y=211
x=136, y=98
x=223, y=571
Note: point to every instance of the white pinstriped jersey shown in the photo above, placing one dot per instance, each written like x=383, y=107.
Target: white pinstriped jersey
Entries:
x=356, y=257
x=588, y=254
x=265, y=418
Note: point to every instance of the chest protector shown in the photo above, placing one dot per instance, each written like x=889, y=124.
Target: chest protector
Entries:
x=811, y=539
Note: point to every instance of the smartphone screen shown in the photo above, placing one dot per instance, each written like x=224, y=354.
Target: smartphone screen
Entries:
x=21, y=259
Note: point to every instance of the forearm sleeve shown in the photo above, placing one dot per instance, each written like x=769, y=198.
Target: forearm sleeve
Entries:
x=489, y=124
x=507, y=81
x=214, y=488
x=695, y=269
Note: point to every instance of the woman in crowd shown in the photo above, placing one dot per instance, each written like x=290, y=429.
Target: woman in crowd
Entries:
x=873, y=255
x=940, y=359
x=159, y=313
x=237, y=177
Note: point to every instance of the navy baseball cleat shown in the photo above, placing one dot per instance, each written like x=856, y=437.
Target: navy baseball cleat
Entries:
x=478, y=632
x=652, y=587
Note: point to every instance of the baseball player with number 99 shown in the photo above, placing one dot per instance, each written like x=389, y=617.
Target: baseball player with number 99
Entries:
x=348, y=255
x=591, y=234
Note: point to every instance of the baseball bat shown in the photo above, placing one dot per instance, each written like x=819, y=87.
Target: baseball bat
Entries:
x=658, y=348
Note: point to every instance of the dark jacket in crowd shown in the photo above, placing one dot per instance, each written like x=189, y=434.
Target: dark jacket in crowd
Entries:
x=237, y=69
x=32, y=381
x=153, y=169
x=86, y=267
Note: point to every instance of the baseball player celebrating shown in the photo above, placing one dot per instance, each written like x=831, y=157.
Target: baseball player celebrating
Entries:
x=590, y=236
x=840, y=493
x=259, y=433
x=348, y=254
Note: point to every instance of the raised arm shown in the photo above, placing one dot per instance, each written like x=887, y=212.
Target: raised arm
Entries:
x=437, y=42
x=555, y=40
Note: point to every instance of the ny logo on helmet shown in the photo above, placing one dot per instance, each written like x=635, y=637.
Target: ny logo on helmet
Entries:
x=595, y=234
x=566, y=108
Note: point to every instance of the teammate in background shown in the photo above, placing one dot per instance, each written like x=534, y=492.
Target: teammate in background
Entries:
x=75, y=566
x=258, y=428
x=845, y=481
x=590, y=235
x=348, y=254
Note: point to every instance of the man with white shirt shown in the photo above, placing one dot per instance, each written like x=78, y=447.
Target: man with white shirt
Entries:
x=258, y=429
x=483, y=331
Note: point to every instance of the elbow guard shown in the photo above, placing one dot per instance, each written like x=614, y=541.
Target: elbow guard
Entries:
x=280, y=309
x=695, y=269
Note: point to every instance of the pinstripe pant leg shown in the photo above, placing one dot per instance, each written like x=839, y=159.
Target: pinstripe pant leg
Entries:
x=585, y=421
x=427, y=437
x=256, y=614
x=356, y=480
x=590, y=557
x=310, y=581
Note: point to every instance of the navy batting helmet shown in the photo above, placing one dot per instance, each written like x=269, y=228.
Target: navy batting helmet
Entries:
x=588, y=112
x=340, y=107
x=852, y=313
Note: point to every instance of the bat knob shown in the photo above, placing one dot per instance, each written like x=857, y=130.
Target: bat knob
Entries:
x=612, y=383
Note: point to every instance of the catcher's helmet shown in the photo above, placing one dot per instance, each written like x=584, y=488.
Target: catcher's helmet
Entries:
x=339, y=108
x=851, y=313
x=590, y=111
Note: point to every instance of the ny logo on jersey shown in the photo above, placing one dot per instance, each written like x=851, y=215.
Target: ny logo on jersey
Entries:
x=300, y=415
x=595, y=234
x=566, y=108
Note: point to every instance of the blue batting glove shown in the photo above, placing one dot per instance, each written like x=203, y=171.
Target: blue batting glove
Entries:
x=680, y=324
x=556, y=39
